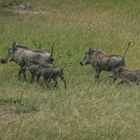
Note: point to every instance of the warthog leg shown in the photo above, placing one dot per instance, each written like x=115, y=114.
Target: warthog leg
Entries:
x=22, y=71
x=47, y=82
x=64, y=81
x=114, y=79
x=123, y=81
x=55, y=82
x=38, y=77
x=19, y=74
x=97, y=75
x=32, y=77
x=113, y=74
x=137, y=82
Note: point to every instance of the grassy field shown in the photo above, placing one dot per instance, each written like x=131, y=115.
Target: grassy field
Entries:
x=86, y=110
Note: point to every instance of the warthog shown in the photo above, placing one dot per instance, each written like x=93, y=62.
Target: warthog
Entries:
x=23, y=56
x=47, y=71
x=34, y=68
x=127, y=75
x=103, y=62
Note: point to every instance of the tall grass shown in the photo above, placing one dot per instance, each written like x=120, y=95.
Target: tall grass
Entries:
x=86, y=110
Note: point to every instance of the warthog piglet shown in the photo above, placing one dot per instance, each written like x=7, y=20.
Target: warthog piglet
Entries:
x=127, y=75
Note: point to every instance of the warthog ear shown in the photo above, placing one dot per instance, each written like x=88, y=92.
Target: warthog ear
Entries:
x=90, y=51
x=14, y=44
x=14, y=48
x=86, y=53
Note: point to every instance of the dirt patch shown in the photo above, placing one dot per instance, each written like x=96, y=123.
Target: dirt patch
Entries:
x=7, y=109
x=18, y=8
x=22, y=9
x=29, y=12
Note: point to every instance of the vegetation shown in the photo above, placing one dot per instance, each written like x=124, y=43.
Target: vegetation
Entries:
x=86, y=110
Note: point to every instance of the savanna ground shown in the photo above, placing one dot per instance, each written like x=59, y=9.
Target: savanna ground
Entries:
x=86, y=110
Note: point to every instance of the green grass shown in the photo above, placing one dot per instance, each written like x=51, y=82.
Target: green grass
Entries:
x=86, y=110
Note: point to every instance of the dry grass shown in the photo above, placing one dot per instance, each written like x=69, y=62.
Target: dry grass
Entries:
x=86, y=110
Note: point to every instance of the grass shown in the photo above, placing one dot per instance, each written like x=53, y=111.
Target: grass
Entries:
x=86, y=110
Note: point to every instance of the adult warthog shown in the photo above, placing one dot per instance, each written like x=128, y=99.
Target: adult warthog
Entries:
x=23, y=56
x=103, y=62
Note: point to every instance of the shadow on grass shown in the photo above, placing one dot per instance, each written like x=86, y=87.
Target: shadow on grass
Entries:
x=17, y=106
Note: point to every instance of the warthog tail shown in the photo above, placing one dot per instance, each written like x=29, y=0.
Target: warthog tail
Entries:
x=52, y=48
x=127, y=49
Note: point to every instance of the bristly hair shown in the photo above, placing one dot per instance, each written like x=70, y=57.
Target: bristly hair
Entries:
x=31, y=49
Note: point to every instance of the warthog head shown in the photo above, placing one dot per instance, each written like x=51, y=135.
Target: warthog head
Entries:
x=118, y=71
x=88, y=56
x=85, y=60
x=9, y=55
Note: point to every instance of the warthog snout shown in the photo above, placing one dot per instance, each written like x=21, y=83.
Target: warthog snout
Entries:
x=2, y=61
x=81, y=63
x=5, y=60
